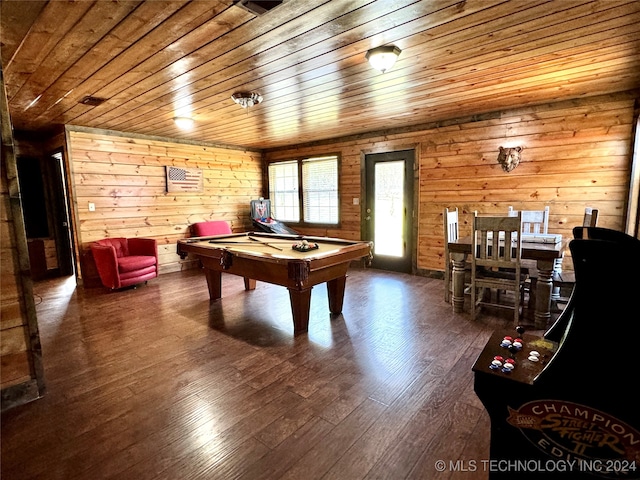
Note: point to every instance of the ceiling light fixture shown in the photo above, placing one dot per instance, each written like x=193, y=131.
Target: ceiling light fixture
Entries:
x=246, y=99
x=383, y=58
x=92, y=101
x=184, y=123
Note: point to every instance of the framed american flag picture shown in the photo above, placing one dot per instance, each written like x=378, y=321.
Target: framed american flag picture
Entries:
x=184, y=180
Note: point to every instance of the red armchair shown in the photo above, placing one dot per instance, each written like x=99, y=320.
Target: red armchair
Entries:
x=214, y=227
x=123, y=262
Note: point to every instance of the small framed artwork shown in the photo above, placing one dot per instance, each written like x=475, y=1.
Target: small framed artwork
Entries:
x=184, y=180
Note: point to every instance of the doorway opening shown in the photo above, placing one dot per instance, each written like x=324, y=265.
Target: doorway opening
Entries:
x=60, y=214
x=46, y=215
x=389, y=209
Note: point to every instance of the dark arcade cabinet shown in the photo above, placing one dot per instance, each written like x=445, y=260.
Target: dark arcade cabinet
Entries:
x=566, y=405
x=261, y=218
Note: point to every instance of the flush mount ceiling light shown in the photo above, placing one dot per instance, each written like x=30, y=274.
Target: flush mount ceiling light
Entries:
x=184, y=123
x=246, y=99
x=383, y=58
x=92, y=101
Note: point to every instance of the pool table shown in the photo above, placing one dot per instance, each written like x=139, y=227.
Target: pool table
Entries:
x=269, y=257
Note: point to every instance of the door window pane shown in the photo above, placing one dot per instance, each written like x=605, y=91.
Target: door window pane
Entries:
x=389, y=208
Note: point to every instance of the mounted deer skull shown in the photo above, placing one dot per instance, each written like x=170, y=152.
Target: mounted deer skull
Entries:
x=509, y=158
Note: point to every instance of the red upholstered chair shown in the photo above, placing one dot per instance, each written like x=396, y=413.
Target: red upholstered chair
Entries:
x=122, y=262
x=207, y=229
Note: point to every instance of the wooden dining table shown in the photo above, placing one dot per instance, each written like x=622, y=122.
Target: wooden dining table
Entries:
x=547, y=257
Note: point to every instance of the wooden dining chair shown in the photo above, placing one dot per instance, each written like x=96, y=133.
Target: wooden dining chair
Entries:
x=451, y=233
x=590, y=217
x=564, y=281
x=533, y=221
x=496, y=262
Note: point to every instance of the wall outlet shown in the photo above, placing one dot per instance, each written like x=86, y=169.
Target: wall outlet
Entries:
x=92, y=207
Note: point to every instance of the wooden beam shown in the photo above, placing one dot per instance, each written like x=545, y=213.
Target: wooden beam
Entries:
x=35, y=387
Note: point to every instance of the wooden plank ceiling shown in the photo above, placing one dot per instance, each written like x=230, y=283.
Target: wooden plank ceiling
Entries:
x=155, y=60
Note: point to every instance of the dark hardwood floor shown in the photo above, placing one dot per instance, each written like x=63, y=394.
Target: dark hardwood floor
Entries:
x=157, y=383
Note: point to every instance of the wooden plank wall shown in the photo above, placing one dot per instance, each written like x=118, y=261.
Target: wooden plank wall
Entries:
x=124, y=176
x=50, y=253
x=576, y=154
x=14, y=351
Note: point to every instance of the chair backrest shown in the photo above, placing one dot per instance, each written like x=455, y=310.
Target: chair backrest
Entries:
x=533, y=221
x=213, y=227
x=121, y=245
x=451, y=232
x=496, y=241
x=590, y=217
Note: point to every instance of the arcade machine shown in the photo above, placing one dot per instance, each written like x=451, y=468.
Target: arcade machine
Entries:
x=567, y=405
x=261, y=217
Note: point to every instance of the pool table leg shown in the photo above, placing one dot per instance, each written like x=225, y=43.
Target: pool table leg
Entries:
x=335, y=289
x=300, y=305
x=214, y=282
x=249, y=283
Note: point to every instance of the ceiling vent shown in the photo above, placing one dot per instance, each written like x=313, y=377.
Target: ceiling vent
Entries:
x=259, y=7
x=92, y=101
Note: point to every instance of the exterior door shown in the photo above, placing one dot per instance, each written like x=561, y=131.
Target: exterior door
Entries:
x=388, y=220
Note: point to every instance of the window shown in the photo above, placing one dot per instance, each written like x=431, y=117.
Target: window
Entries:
x=283, y=191
x=305, y=190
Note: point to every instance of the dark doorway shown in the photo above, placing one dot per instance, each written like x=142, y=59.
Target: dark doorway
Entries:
x=59, y=212
x=45, y=209
x=34, y=207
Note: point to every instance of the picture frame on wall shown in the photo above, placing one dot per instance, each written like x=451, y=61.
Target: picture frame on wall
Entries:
x=180, y=179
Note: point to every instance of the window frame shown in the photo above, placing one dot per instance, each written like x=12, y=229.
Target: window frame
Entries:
x=300, y=161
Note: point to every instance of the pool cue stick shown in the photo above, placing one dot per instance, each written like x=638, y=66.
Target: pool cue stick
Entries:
x=247, y=243
x=266, y=243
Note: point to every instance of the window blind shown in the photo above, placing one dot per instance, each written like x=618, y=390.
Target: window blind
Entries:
x=320, y=190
